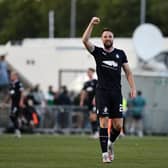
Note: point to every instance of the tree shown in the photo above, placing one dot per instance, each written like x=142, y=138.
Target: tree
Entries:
x=120, y=16
x=157, y=14
x=22, y=21
x=86, y=9
x=62, y=16
x=29, y=18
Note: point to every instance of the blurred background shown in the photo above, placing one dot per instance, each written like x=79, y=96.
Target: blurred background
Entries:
x=41, y=40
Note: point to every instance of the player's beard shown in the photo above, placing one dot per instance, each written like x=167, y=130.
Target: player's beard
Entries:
x=108, y=44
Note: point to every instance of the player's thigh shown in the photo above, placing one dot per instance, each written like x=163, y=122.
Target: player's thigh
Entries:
x=102, y=101
x=115, y=106
x=93, y=116
x=103, y=122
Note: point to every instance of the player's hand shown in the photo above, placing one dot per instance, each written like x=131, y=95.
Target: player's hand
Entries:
x=95, y=20
x=81, y=104
x=133, y=93
x=94, y=102
x=21, y=104
x=3, y=105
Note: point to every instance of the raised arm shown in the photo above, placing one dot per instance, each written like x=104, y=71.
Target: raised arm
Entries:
x=86, y=35
x=130, y=79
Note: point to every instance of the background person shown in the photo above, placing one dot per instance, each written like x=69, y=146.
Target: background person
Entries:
x=139, y=104
x=17, y=102
x=87, y=98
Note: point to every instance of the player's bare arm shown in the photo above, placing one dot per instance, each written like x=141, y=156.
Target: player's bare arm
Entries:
x=82, y=97
x=5, y=102
x=86, y=35
x=21, y=103
x=130, y=79
x=94, y=101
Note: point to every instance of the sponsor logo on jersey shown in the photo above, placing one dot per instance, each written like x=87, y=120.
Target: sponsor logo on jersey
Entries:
x=121, y=108
x=89, y=89
x=12, y=92
x=104, y=53
x=111, y=63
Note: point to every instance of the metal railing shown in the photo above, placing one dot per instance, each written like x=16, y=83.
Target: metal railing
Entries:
x=62, y=119
x=74, y=119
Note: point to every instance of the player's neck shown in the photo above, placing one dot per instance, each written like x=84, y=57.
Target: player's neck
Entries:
x=15, y=81
x=90, y=78
x=109, y=49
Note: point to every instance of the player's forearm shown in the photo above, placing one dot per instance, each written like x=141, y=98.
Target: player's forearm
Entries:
x=82, y=98
x=129, y=76
x=6, y=99
x=87, y=34
x=131, y=81
x=21, y=99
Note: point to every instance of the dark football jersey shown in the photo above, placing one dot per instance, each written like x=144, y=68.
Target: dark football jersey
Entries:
x=15, y=89
x=108, y=67
x=90, y=88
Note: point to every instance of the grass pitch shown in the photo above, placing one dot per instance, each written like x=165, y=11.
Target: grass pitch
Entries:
x=49, y=151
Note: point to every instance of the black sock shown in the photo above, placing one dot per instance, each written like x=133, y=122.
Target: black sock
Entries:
x=15, y=122
x=103, y=139
x=114, y=134
x=94, y=126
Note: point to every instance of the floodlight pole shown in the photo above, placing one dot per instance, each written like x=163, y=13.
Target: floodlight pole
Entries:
x=143, y=11
x=73, y=19
x=51, y=24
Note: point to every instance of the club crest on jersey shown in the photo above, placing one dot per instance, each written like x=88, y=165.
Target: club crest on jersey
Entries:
x=117, y=56
x=105, y=111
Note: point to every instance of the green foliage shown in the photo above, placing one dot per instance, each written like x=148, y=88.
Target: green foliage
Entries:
x=157, y=14
x=23, y=20
x=120, y=15
x=29, y=18
x=61, y=9
x=86, y=9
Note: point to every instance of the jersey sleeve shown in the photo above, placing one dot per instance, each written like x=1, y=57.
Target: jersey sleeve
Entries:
x=124, y=58
x=96, y=51
x=85, y=86
x=96, y=82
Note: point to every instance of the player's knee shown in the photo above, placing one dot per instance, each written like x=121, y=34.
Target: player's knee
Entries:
x=93, y=117
x=118, y=126
x=103, y=125
x=12, y=117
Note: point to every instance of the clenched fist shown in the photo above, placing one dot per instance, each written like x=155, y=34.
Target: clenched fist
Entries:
x=95, y=20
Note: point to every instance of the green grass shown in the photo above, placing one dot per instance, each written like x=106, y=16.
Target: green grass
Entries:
x=49, y=151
